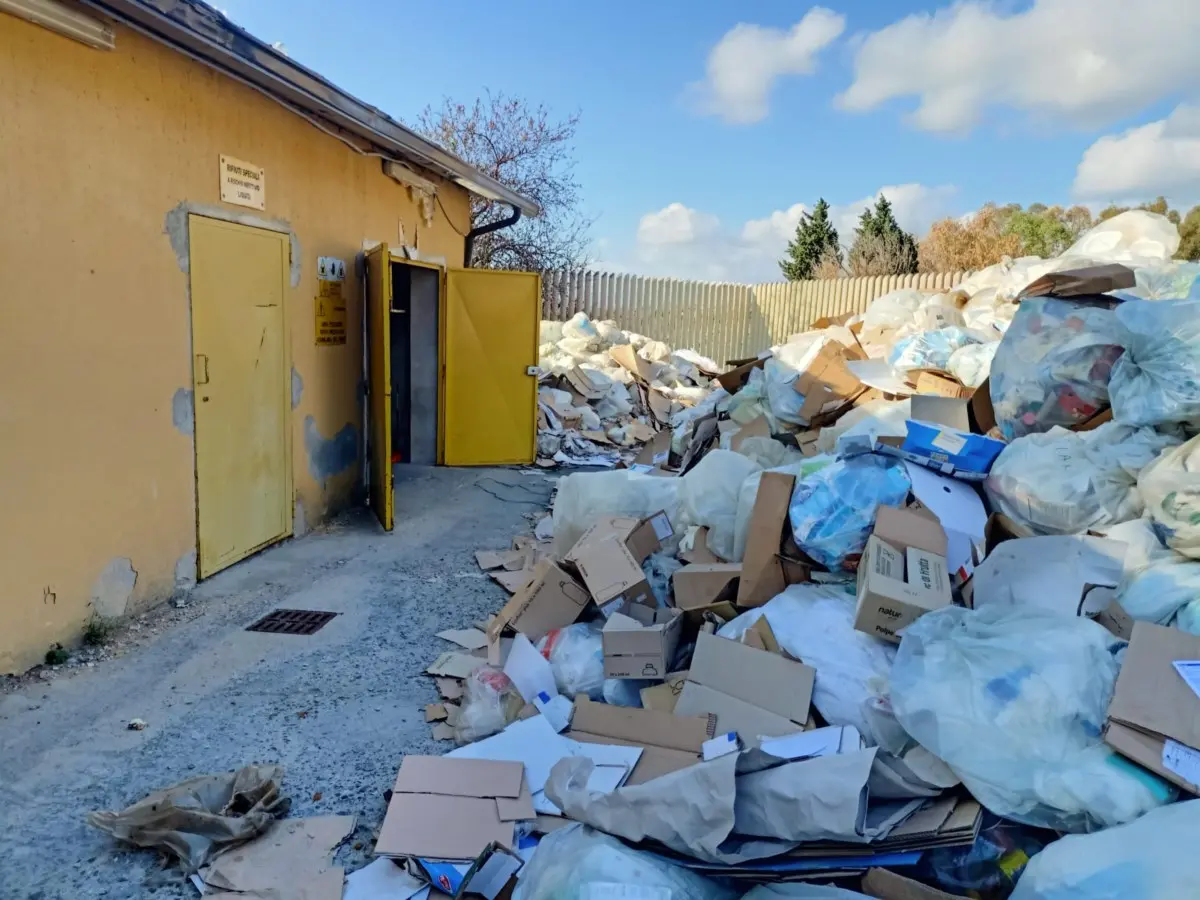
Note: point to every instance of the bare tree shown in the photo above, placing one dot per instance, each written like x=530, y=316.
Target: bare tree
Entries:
x=884, y=253
x=829, y=264
x=528, y=150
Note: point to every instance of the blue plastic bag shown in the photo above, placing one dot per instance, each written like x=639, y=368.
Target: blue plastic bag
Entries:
x=832, y=511
x=1157, y=381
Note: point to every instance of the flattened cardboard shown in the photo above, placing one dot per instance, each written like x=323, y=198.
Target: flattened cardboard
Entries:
x=454, y=664
x=762, y=573
x=1153, y=701
x=886, y=885
x=706, y=584
x=626, y=357
x=701, y=553
x=513, y=582
x=1081, y=282
x=670, y=742
x=441, y=827
x=641, y=643
x=748, y=720
x=756, y=427
x=496, y=559
x=609, y=558
x=459, y=777
x=552, y=599
x=582, y=383
x=902, y=574
x=435, y=712
x=735, y=379
x=656, y=452
x=449, y=688
x=825, y=381
x=770, y=681
x=467, y=638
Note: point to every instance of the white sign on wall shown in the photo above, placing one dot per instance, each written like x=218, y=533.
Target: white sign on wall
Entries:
x=243, y=183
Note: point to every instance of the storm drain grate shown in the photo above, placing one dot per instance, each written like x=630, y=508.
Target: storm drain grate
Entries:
x=292, y=621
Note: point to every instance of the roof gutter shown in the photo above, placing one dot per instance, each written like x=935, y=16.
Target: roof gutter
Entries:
x=201, y=32
x=469, y=247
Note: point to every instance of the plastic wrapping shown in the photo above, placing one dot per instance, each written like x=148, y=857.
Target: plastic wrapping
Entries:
x=876, y=417
x=1014, y=702
x=581, y=328
x=1156, y=582
x=1169, y=281
x=578, y=863
x=658, y=569
x=1170, y=488
x=585, y=496
x=489, y=704
x=1158, y=379
x=929, y=349
x=889, y=316
x=1135, y=236
x=815, y=624
x=1053, y=365
x=989, y=868
x=1153, y=858
x=708, y=495
x=576, y=656
x=625, y=691
x=833, y=511
x=769, y=453
x=973, y=363
x=1066, y=482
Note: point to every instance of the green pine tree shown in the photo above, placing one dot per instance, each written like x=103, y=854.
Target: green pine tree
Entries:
x=815, y=236
x=881, y=246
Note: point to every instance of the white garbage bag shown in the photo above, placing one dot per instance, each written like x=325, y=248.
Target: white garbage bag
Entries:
x=894, y=314
x=1014, y=701
x=616, y=402
x=973, y=363
x=815, y=624
x=1170, y=488
x=576, y=657
x=655, y=351
x=610, y=334
x=1067, y=482
x=1053, y=365
x=875, y=418
x=585, y=496
x=579, y=863
x=1135, y=236
x=708, y=495
x=581, y=328
x=767, y=452
x=1156, y=582
x=549, y=332
x=833, y=511
x=929, y=349
x=1152, y=858
x=1172, y=280
x=1157, y=381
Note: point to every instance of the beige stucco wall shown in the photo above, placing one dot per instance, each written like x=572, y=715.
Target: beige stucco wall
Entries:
x=96, y=463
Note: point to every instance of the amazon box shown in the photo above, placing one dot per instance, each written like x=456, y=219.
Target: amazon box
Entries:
x=609, y=559
x=902, y=574
x=641, y=642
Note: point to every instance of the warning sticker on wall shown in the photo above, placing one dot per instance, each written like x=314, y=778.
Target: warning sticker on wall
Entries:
x=330, y=314
x=243, y=183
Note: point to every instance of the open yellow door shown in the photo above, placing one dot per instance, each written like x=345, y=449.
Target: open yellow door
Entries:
x=490, y=346
x=379, y=386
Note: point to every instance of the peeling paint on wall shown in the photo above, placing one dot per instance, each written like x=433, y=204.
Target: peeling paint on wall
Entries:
x=183, y=413
x=176, y=230
x=185, y=571
x=329, y=456
x=297, y=387
x=114, y=587
x=299, y=519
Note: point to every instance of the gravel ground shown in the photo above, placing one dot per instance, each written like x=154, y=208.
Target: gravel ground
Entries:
x=338, y=709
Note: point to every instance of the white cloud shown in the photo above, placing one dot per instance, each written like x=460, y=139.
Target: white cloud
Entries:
x=746, y=61
x=1161, y=157
x=1083, y=62
x=681, y=242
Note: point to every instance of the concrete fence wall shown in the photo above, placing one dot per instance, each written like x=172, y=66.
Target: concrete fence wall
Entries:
x=720, y=320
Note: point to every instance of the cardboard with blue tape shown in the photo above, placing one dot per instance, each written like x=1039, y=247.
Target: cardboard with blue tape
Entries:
x=940, y=438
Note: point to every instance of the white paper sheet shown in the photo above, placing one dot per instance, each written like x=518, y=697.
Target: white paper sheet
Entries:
x=529, y=671
x=818, y=742
x=383, y=880
x=533, y=742
x=1189, y=671
x=602, y=780
x=958, y=507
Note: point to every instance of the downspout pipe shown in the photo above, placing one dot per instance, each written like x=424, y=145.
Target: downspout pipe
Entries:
x=469, y=248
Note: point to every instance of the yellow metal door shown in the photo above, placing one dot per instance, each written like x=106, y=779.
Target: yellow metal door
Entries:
x=240, y=389
x=379, y=387
x=490, y=343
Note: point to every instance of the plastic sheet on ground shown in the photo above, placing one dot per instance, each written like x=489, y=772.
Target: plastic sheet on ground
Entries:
x=1153, y=858
x=195, y=819
x=1170, y=489
x=1157, y=381
x=708, y=495
x=1066, y=482
x=586, y=496
x=580, y=863
x=833, y=511
x=1053, y=365
x=1014, y=702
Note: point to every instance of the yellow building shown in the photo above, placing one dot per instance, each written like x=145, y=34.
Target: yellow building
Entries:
x=191, y=221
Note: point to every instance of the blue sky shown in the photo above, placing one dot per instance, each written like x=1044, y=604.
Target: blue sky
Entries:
x=707, y=128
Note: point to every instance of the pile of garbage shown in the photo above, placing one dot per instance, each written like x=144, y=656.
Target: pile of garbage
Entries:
x=604, y=392
x=906, y=607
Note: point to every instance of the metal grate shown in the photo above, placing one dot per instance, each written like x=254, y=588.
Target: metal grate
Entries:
x=292, y=621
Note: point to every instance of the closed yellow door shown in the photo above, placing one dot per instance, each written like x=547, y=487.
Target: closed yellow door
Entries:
x=379, y=388
x=490, y=344
x=241, y=390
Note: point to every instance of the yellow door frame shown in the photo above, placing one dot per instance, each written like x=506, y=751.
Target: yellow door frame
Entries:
x=285, y=397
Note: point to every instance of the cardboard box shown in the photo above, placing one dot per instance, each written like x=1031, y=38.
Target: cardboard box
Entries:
x=707, y=584
x=751, y=691
x=663, y=697
x=939, y=437
x=762, y=572
x=903, y=573
x=886, y=885
x=1081, y=282
x=609, y=556
x=552, y=599
x=939, y=384
x=1154, y=716
x=825, y=383
x=641, y=642
x=700, y=553
x=670, y=742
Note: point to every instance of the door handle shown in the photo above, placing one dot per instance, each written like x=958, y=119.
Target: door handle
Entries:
x=200, y=373
x=531, y=370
